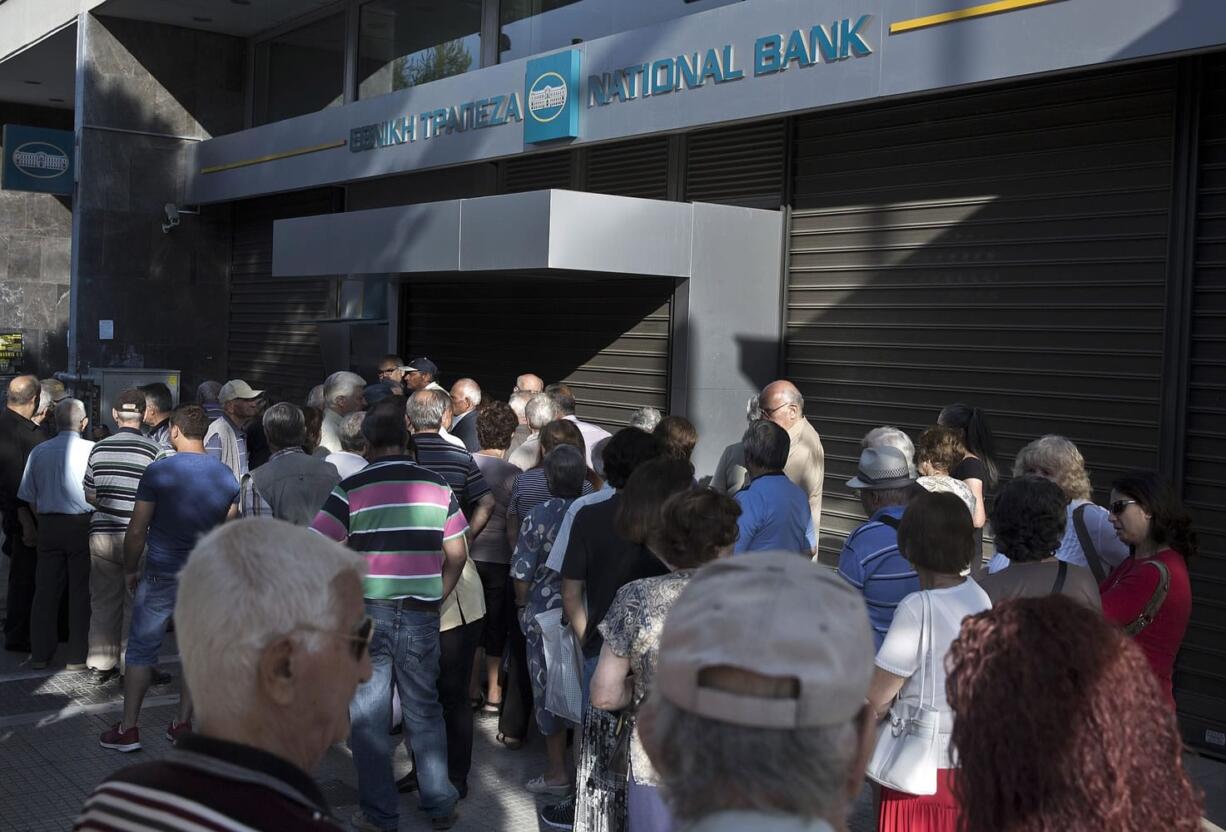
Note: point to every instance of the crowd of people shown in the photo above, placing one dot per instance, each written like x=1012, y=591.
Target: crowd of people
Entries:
x=389, y=561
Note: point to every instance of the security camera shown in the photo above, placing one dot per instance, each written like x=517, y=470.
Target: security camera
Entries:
x=172, y=217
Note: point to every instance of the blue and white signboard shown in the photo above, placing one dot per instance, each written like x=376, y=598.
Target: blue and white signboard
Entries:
x=551, y=98
x=37, y=159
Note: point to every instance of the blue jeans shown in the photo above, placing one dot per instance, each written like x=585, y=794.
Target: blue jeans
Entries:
x=404, y=652
x=152, y=608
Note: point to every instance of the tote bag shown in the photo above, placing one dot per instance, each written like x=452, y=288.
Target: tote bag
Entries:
x=563, y=667
x=907, y=754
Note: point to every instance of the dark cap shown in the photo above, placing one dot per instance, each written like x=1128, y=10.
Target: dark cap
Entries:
x=377, y=392
x=422, y=365
x=130, y=401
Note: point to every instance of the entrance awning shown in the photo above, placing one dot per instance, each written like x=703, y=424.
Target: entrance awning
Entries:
x=540, y=231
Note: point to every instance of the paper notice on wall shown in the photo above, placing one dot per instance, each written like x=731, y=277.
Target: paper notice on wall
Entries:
x=12, y=348
x=106, y=330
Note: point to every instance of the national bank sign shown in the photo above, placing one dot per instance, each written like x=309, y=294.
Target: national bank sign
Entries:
x=36, y=159
x=552, y=98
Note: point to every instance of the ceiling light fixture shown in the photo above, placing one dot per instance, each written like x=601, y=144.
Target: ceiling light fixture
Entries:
x=203, y=19
x=56, y=100
x=34, y=83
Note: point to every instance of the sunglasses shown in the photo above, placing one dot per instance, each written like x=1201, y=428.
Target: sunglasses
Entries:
x=1117, y=508
x=359, y=639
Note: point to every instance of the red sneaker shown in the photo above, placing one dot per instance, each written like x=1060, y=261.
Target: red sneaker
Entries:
x=119, y=739
x=178, y=729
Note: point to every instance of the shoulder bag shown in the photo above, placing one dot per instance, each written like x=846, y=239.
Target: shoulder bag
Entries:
x=1155, y=601
x=1087, y=545
x=563, y=667
x=1061, y=575
x=907, y=754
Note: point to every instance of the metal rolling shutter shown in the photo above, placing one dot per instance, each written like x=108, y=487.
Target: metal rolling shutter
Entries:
x=737, y=165
x=274, y=344
x=1200, y=677
x=536, y=172
x=607, y=339
x=1006, y=248
x=635, y=168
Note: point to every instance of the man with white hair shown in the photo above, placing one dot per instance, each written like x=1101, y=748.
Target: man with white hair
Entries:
x=541, y=411
x=783, y=404
x=593, y=435
x=343, y=394
x=293, y=484
x=738, y=699
x=519, y=406
x=115, y=467
x=529, y=383
x=226, y=439
x=465, y=396
x=53, y=487
x=889, y=437
x=274, y=640
x=351, y=458
x=206, y=397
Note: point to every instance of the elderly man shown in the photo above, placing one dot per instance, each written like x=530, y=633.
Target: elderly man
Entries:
x=180, y=498
x=774, y=511
x=292, y=485
x=421, y=374
x=158, y=404
x=274, y=640
x=407, y=523
x=53, y=487
x=116, y=465
x=226, y=439
x=519, y=406
x=53, y=392
x=343, y=394
x=541, y=411
x=391, y=370
x=782, y=404
x=593, y=435
x=731, y=475
x=465, y=396
x=351, y=458
x=738, y=698
x=870, y=560
x=529, y=383
x=206, y=397
x=19, y=434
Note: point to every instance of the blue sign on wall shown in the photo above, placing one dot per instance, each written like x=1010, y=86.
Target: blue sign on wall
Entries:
x=37, y=159
x=551, y=98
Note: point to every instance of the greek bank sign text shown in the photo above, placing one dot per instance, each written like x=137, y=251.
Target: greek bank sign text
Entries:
x=549, y=105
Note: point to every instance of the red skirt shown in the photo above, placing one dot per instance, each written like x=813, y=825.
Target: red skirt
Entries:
x=902, y=812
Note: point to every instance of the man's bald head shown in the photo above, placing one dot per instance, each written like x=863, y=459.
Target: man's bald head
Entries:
x=529, y=383
x=23, y=392
x=782, y=403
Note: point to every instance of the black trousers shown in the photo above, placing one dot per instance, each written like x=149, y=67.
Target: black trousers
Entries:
x=457, y=647
x=517, y=682
x=63, y=563
x=23, y=562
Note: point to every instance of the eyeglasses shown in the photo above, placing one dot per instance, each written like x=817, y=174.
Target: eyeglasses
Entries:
x=360, y=638
x=767, y=411
x=1117, y=508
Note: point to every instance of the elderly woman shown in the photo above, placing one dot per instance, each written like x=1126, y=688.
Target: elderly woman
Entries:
x=530, y=488
x=731, y=475
x=1089, y=540
x=1047, y=679
x=679, y=436
x=1149, y=595
x=698, y=527
x=539, y=589
x=1028, y=520
x=936, y=536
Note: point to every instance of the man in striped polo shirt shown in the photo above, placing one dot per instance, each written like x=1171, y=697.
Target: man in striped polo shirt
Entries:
x=112, y=475
x=406, y=522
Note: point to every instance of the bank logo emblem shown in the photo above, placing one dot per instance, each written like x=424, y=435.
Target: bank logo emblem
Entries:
x=547, y=97
x=40, y=160
x=551, y=97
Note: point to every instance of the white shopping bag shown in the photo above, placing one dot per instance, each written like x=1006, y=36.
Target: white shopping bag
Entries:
x=563, y=667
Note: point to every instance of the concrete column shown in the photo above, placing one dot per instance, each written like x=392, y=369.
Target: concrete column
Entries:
x=145, y=92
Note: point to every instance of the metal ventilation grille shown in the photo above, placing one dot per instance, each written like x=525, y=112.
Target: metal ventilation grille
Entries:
x=1004, y=248
x=274, y=343
x=737, y=165
x=1200, y=676
x=534, y=173
x=635, y=168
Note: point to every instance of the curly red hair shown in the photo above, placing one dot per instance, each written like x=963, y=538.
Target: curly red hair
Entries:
x=1059, y=724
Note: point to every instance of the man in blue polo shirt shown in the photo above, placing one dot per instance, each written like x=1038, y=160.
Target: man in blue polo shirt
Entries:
x=775, y=513
x=870, y=560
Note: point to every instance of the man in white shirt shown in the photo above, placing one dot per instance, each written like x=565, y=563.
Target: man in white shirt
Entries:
x=541, y=410
x=351, y=458
x=53, y=485
x=564, y=399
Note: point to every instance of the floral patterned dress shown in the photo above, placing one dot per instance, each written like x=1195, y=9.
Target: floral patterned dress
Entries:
x=536, y=536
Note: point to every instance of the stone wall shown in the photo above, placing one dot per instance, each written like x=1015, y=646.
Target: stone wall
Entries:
x=149, y=91
x=35, y=251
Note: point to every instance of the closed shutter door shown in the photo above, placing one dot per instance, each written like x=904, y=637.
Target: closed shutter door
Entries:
x=274, y=343
x=635, y=168
x=537, y=172
x=607, y=339
x=1200, y=677
x=737, y=165
x=1004, y=248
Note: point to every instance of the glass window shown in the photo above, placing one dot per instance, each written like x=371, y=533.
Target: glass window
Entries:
x=404, y=43
x=532, y=26
x=301, y=71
